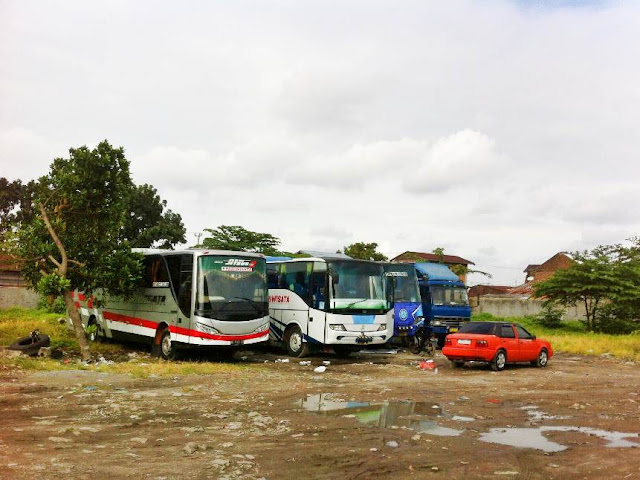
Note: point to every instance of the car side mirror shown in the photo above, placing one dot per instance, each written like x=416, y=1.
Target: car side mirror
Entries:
x=533, y=337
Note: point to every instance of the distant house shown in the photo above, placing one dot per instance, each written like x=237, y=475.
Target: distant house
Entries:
x=10, y=273
x=539, y=273
x=448, y=260
x=481, y=290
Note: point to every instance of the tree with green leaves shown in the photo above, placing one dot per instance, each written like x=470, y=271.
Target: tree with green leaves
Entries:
x=149, y=224
x=81, y=235
x=458, y=269
x=364, y=251
x=237, y=238
x=608, y=275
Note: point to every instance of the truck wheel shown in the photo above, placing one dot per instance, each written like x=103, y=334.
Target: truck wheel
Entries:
x=457, y=363
x=294, y=342
x=499, y=361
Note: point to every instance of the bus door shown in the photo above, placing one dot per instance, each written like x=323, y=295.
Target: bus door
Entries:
x=181, y=273
x=317, y=301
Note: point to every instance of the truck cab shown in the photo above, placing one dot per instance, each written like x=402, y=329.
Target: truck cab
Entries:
x=445, y=303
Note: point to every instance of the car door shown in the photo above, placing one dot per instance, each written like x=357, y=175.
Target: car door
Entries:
x=527, y=345
x=509, y=342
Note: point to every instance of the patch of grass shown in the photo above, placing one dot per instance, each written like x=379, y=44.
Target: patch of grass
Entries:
x=572, y=337
x=18, y=322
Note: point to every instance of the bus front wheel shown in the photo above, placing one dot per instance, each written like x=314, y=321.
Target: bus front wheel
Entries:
x=165, y=348
x=294, y=342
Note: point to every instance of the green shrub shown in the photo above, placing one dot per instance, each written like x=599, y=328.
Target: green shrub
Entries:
x=52, y=304
x=615, y=320
x=483, y=317
x=550, y=316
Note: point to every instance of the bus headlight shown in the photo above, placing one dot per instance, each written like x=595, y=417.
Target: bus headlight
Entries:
x=337, y=326
x=206, y=329
x=437, y=323
x=262, y=327
x=383, y=326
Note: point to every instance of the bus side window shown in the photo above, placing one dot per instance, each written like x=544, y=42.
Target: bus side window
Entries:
x=272, y=276
x=155, y=273
x=296, y=279
x=317, y=282
x=180, y=268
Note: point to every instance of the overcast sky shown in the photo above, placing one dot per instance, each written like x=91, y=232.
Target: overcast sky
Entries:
x=503, y=131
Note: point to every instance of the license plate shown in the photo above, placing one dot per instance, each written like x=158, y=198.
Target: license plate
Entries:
x=464, y=342
x=454, y=329
x=235, y=343
x=363, y=339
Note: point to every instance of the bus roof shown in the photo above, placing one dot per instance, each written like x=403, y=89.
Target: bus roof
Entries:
x=316, y=259
x=195, y=251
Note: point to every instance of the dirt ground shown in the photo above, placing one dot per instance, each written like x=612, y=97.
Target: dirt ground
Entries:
x=372, y=416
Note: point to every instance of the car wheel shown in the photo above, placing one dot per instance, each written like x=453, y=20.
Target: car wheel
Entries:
x=543, y=358
x=499, y=361
x=294, y=342
x=457, y=363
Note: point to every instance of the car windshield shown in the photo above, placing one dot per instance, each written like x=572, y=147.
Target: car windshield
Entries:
x=402, y=279
x=445, y=295
x=357, y=287
x=482, y=328
x=231, y=288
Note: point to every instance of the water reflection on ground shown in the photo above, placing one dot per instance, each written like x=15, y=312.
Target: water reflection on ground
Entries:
x=418, y=416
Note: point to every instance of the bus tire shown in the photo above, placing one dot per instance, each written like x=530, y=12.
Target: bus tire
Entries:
x=294, y=342
x=164, y=348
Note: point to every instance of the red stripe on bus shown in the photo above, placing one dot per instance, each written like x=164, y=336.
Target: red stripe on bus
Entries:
x=141, y=322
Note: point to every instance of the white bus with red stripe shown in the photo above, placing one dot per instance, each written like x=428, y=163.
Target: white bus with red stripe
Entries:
x=206, y=298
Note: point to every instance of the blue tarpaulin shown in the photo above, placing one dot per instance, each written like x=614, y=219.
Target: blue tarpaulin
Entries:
x=436, y=271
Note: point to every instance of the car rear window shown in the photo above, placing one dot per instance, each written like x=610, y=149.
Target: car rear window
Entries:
x=483, y=328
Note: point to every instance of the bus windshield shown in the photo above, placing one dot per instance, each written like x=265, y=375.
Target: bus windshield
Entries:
x=444, y=295
x=357, y=287
x=403, y=280
x=231, y=288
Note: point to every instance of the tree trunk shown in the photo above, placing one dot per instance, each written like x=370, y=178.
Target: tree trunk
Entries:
x=76, y=321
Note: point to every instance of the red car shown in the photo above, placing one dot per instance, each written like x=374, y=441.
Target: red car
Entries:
x=498, y=343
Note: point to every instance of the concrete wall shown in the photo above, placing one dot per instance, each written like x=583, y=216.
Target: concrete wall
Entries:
x=517, y=306
x=18, y=297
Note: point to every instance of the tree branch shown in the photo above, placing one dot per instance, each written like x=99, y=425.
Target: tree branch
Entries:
x=54, y=261
x=62, y=268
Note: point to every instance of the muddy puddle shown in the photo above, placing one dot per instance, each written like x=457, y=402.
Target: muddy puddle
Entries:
x=424, y=417
x=535, y=438
x=419, y=416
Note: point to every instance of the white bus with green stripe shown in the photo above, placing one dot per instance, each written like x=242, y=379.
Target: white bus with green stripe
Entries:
x=188, y=298
x=328, y=301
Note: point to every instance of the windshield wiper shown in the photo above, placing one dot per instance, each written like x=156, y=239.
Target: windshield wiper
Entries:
x=356, y=302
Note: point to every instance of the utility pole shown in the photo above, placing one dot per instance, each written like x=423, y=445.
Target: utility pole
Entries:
x=198, y=235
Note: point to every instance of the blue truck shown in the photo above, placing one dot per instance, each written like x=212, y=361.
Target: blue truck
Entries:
x=407, y=306
x=445, y=304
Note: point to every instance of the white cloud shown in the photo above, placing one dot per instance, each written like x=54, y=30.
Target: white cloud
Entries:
x=502, y=132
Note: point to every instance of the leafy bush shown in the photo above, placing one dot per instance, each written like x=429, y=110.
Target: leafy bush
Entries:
x=615, y=320
x=52, y=304
x=550, y=316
